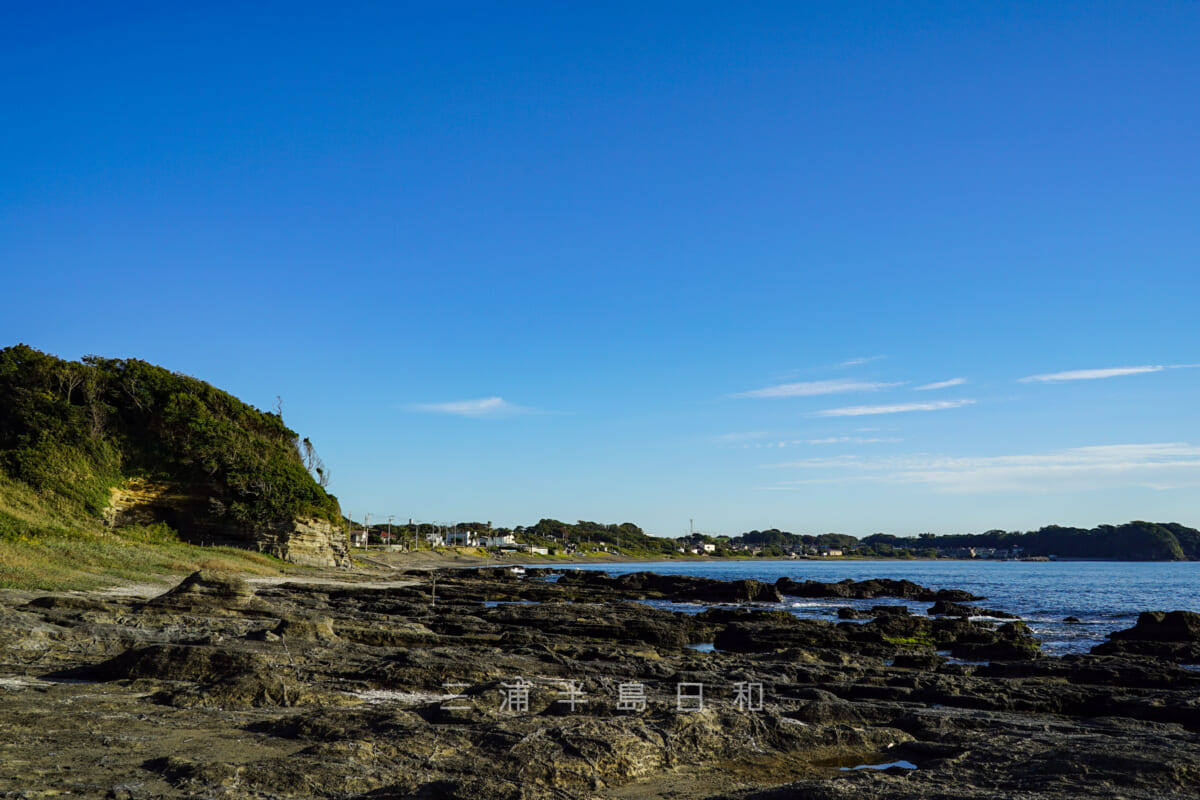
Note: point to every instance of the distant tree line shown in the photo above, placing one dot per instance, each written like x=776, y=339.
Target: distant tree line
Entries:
x=584, y=535
x=1133, y=541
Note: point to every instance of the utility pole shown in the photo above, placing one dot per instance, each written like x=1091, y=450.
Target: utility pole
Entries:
x=367, y=525
x=390, y=529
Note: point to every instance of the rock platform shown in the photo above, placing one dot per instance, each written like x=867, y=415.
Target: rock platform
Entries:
x=485, y=684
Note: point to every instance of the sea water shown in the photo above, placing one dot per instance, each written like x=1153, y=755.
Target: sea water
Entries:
x=1104, y=595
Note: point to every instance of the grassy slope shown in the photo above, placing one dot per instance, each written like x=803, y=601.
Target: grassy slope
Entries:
x=70, y=431
x=45, y=544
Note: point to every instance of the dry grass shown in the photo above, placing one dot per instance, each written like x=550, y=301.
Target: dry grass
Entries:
x=82, y=562
x=44, y=546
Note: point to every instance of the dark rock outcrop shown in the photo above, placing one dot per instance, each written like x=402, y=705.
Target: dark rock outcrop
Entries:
x=901, y=626
x=1012, y=641
x=1173, y=636
x=874, y=611
x=765, y=635
x=208, y=590
x=951, y=609
x=620, y=622
x=677, y=587
x=868, y=589
x=179, y=662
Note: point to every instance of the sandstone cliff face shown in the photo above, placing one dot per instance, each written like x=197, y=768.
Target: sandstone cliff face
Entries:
x=307, y=542
x=142, y=502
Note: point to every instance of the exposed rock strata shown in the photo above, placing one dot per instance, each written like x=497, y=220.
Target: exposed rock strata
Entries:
x=303, y=541
x=306, y=542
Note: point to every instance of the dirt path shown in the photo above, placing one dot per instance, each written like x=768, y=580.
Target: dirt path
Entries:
x=372, y=569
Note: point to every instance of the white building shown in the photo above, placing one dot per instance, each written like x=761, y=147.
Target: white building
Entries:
x=507, y=540
x=358, y=539
x=435, y=540
x=462, y=539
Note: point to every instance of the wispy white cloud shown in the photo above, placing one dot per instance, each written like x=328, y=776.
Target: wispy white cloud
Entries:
x=1094, y=374
x=851, y=362
x=898, y=408
x=854, y=362
x=1090, y=374
x=940, y=385
x=850, y=440
x=778, y=443
x=1166, y=465
x=815, y=388
x=483, y=407
x=728, y=438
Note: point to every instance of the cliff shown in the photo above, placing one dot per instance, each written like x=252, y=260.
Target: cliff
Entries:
x=130, y=443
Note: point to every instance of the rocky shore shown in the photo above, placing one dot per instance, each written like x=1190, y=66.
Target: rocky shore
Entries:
x=495, y=685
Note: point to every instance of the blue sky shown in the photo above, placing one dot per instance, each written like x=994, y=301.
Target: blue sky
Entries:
x=802, y=265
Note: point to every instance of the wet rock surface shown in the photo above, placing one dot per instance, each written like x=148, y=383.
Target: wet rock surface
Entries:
x=490, y=684
x=676, y=587
x=876, y=587
x=949, y=608
x=1174, y=636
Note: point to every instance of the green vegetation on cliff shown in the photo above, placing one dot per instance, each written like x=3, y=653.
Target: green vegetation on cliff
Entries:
x=72, y=431
x=77, y=429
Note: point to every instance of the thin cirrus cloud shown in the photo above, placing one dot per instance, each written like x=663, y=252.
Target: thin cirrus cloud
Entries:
x=483, y=407
x=940, y=385
x=854, y=362
x=851, y=440
x=898, y=408
x=823, y=441
x=1095, y=374
x=1161, y=465
x=740, y=436
x=815, y=388
x=765, y=439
